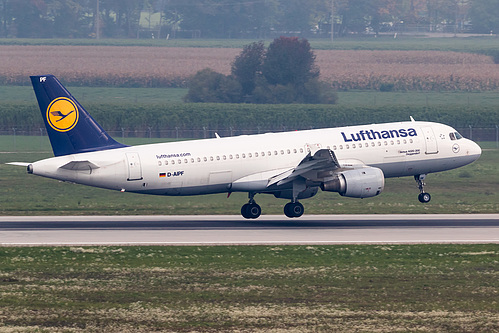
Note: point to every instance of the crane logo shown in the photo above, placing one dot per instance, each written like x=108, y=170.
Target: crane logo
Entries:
x=62, y=114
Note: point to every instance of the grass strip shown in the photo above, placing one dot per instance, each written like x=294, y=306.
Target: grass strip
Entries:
x=347, y=288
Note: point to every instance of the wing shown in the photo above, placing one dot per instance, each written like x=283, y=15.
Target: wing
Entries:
x=323, y=160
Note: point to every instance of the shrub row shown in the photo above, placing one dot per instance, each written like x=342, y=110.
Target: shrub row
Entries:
x=114, y=117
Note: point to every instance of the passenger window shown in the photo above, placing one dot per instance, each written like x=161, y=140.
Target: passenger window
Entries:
x=199, y=159
x=237, y=156
x=289, y=151
x=230, y=156
x=205, y=159
x=334, y=147
x=211, y=158
x=224, y=157
x=159, y=163
x=173, y=162
x=243, y=155
x=249, y=155
x=166, y=162
x=256, y=154
x=353, y=145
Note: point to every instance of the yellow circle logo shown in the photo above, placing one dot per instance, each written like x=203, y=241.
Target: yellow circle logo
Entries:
x=62, y=114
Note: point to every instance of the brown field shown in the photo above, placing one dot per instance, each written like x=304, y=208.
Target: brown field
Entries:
x=170, y=67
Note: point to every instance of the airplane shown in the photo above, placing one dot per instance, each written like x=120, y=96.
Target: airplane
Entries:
x=352, y=161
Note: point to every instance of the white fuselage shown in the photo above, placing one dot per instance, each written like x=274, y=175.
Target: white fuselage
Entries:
x=245, y=163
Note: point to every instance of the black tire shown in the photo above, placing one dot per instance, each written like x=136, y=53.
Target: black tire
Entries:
x=251, y=211
x=292, y=210
x=287, y=210
x=244, y=211
x=424, y=197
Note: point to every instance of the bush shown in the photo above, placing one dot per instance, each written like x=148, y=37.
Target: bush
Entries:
x=209, y=86
x=385, y=87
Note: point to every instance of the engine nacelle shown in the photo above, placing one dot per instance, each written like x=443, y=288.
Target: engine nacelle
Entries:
x=357, y=183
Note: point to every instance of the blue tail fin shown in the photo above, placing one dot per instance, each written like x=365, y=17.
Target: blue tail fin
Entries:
x=70, y=128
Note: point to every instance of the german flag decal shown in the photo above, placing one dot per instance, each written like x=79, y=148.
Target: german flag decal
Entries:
x=161, y=175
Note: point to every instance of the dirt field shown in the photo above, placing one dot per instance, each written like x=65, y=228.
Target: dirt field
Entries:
x=171, y=67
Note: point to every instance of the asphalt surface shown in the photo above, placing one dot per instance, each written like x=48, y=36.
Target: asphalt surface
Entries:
x=217, y=230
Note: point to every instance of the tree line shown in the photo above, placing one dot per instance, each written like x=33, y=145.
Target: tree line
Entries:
x=240, y=18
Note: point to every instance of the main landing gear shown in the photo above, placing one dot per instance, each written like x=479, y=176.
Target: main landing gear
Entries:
x=251, y=210
x=423, y=196
x=293, y=209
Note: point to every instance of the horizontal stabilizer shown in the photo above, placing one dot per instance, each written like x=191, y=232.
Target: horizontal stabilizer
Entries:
x=23, y=164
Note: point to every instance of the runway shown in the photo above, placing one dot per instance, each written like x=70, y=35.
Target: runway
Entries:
x=234, y=230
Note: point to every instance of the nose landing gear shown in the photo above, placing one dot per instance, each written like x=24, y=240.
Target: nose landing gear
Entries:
x=423, y=197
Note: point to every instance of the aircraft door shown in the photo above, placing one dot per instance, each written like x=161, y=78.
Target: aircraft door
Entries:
x=134, y=167
x=430, y=141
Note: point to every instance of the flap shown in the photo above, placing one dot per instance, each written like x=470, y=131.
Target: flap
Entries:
x=322, y=160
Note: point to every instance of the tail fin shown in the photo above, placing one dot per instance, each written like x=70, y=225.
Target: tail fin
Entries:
x=70, y=128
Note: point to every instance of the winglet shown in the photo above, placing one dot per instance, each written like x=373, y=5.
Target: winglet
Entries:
x=70, y=127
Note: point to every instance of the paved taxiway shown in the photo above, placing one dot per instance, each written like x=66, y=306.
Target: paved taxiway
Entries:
x=213, y=230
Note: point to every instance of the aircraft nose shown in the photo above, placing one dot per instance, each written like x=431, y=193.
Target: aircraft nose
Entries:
x=474, y=150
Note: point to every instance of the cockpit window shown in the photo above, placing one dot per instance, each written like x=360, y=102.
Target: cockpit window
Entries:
x=455, y=136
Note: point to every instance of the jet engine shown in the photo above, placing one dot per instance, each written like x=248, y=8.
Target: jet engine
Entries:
x=357, y=183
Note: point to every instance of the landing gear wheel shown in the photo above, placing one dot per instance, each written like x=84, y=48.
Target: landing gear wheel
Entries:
x=251, y=211
x=424, y=197
x=293, y=209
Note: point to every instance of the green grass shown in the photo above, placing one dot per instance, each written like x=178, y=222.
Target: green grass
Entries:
x=471, y=189
x=100, y=95
x=468, y=44
x=174, y=95
x=347, y=288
